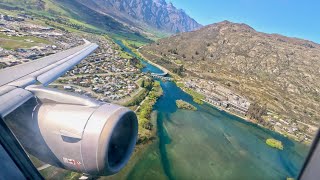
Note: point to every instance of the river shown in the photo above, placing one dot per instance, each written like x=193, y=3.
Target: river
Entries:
x=211, y=144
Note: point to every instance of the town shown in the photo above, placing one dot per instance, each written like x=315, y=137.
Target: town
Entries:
x=24, y=42
x=107, y=75
x=103, y=75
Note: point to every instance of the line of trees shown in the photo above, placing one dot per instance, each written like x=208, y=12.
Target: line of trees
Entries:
x=147, y=106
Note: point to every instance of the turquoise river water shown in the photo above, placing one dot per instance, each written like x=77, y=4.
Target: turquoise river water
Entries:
x=211, y=144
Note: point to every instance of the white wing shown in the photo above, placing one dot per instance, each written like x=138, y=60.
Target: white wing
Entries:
x=14, y=80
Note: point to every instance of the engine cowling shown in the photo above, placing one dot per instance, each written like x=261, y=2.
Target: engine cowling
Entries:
x=96, y=140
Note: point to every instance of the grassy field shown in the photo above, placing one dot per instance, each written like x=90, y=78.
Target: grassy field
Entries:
x=131, y=39
x=13, y=42
x=125, y=55
x=195, y=95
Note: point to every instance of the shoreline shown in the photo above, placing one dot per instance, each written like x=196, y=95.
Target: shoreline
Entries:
x=250, y=121
x=177, y=78
x=291, y=137
x=152, y=63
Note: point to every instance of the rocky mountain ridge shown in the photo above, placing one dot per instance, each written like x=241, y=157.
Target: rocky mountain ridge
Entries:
x=154, y=13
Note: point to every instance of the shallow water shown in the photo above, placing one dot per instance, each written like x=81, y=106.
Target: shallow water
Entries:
x=212, y=144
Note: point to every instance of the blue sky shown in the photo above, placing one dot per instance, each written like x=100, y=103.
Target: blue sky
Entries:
x=294, y=18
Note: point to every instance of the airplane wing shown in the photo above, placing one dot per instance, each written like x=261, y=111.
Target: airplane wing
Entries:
x=14, y=80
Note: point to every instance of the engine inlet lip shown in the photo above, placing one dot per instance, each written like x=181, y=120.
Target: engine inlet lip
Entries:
x=118, y=117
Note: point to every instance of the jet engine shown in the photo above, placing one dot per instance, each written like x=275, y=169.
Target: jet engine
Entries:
x=75, y=132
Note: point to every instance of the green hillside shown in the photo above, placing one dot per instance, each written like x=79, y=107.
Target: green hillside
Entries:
x=71, y=15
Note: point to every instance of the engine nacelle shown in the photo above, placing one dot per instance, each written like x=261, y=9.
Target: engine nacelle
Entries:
x=96, y=140
x=84, y=139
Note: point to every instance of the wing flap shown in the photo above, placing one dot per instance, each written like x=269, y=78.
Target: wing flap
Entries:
x=22, y=83
x=12, y=100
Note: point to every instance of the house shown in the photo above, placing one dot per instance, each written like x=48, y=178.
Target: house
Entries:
x=78, y=91
x=67, y=87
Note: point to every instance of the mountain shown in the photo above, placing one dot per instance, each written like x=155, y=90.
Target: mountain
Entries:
x=146, y=13
x=75, y=15
x=271, y=69
x=134, y=19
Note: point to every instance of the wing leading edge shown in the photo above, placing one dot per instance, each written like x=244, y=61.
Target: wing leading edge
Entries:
x=14, y=80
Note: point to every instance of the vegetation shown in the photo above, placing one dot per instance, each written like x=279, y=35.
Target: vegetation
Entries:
x=257, y=111
x=147, y=105
x=274, y=143
x=285, y=90
x=13, y=42
x=145, y=111
x=180, y=84
x=125, y=55
x=179, y=70
x=133, y=46
x=185, y=105
x=195, y=95
x=137, y=99
x=72, y=16
x=136, y=62
x=144, y=101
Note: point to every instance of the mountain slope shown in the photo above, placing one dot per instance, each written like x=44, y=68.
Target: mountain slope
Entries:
x=155, y=13
x=75, y=15
x=267, y=68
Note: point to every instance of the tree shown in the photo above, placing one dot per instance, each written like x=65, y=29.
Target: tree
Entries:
x=256, y=111
x=179, y=70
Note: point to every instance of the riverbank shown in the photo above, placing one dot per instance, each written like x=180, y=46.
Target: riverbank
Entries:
x=179, y=80
x=150, y=62
x=197, y=97
x=146, y=107
x=235, y=144
x=221, y=146
x=253, y=122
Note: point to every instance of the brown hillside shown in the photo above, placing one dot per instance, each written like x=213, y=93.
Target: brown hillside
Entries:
x=268, y=68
